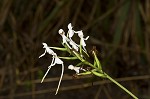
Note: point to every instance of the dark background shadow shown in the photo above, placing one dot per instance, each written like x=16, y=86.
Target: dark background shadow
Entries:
x=120, y=30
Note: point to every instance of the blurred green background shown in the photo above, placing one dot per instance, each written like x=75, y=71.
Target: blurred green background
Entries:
x=120, y=30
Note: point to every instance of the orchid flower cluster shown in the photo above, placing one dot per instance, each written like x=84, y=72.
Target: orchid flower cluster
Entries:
x=69, y=43
x=77, y=52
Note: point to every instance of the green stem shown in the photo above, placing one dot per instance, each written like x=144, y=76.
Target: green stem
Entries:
x=126, y=90
x=84, y=61
x=104, y=74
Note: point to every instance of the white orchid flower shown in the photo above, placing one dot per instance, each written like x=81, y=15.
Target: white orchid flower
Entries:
x=55, y=60
x=74, y=45
x=82, y=39
x=48, y=50
x=70, y=31
x=62, y=33
x=65, y=39
x=76, y=69
x=70, y=34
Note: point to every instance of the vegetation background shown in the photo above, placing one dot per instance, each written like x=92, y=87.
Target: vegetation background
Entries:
x=120, y=30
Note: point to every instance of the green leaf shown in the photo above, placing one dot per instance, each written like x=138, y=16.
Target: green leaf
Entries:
x=97, y=61
x=99, y=74
x=67, y=48
x=79, y=64
x=94, y=63
x=80, y=48
x=86, y=53
x=69, y=58
x=85, y=73
x=82, y=60
x=58, y=48
x=78, y=56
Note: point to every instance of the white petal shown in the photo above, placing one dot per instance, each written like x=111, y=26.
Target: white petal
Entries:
x=77, y=69
x=62, y=72
x=45, y=74
x=71, y=67
x=44, y=44
x=86, y=38
x=58, y=61
x=60, y=31
x=80, y=34
x=74, y=45
x=70, y=31
x=48, y=50
x=70, y=26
